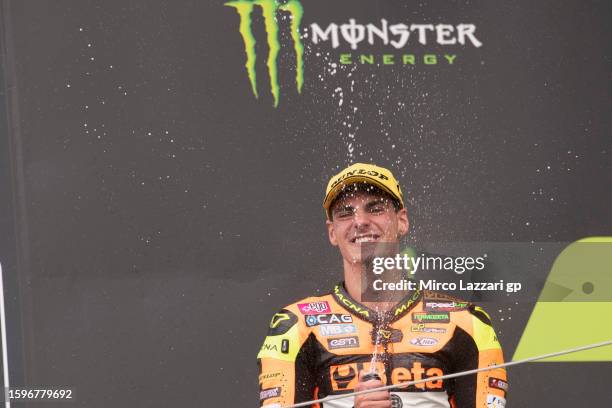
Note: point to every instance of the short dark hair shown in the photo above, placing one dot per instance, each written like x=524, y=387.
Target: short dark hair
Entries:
x=362, y=188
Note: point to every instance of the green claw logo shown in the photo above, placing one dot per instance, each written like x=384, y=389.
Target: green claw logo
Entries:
x=269, y=10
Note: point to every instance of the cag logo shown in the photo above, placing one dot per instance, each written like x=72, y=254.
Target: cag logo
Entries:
x=315, y=320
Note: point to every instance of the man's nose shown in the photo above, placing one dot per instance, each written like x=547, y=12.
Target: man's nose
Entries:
x=361, y=218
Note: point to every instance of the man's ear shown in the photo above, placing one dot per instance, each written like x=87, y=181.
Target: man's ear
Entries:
x=403, y=224
x=331, y=233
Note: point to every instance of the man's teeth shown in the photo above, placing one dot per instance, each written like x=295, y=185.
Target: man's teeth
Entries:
x=359, y=240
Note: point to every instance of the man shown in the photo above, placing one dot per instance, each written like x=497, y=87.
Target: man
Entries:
x=324, y=345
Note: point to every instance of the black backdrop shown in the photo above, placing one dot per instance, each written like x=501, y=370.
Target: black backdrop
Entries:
x=156, y=213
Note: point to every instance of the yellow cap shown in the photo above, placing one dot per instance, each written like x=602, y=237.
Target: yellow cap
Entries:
x=362, y=173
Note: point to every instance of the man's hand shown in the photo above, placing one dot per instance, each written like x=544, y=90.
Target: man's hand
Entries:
x=377, y=399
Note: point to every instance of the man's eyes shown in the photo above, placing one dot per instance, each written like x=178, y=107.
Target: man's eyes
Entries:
x=377, y=208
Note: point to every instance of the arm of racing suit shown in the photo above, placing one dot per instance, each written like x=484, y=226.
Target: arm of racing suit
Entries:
x=285, y=361
x=476, y=347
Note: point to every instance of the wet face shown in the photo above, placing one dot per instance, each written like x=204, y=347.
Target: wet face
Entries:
x=360, y=217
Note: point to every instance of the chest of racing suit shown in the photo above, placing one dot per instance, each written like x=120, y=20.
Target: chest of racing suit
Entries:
x=318, y=346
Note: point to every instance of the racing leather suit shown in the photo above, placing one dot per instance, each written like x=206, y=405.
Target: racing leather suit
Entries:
x=318, y=346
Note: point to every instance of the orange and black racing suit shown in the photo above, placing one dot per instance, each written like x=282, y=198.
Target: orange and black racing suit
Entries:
x=318, y=346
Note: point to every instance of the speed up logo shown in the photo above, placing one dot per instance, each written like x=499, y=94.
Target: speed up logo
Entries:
x=270, y=10
x=442, y=306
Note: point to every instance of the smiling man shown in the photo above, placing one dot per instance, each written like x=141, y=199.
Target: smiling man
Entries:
x=326, y=345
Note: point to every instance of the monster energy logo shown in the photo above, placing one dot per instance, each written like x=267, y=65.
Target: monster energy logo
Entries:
x=269, y=9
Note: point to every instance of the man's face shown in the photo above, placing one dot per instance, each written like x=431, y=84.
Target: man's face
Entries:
x=360, y=217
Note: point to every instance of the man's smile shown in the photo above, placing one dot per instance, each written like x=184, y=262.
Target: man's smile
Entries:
x=361, y=238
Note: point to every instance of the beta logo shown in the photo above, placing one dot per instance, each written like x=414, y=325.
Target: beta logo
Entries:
x=423, y=341
x=331, y=318
x=337, y=329
x=495, y=401
x=345, y=377
x=269, y=393
x=314, y=308
x=343, y=342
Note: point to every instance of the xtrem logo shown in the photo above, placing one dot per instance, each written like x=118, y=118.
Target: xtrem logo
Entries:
x=270, y=10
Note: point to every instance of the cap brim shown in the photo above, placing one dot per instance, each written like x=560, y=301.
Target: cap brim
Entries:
x=360, y=178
